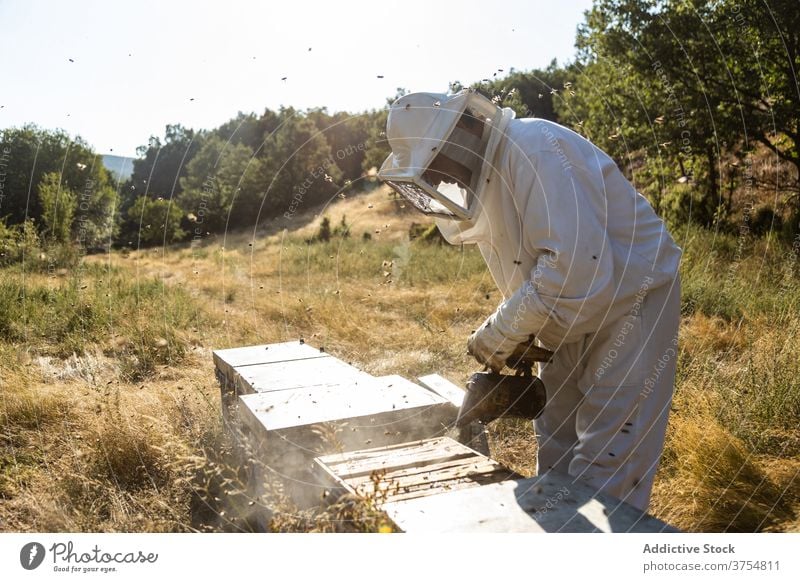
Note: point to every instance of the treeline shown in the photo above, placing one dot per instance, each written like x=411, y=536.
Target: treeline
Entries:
x=54, y=191
x=250, y=169
x=698, y=102
x=188, y=184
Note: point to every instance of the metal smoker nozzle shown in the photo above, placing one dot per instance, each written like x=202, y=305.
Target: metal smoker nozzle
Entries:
x=491, y=395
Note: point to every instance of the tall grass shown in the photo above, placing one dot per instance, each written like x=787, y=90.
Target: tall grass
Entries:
x=731, y=460
x=142, y=321
x=84, y=447
x=710, y=481
x=113, y=461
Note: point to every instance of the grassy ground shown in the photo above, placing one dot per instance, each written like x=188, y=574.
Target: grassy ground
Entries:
x=109, y=410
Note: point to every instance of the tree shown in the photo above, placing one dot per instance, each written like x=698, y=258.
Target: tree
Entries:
x=296, y=168
x=694, y=78
x=245, y=129
x=347, y=136
x=531, y=93
x=213, y=188
x=58, y=205
x=158, y=170
x=760, y=43
x=158, y=221
x=95, y=225
x=377, y=146
x=248, y=129
x=28, y=153
x=634, y=100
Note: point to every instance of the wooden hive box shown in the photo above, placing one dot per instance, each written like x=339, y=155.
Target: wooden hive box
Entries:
x=438, y=485
x=408, y=470
x=247, y=370
x=288, y=403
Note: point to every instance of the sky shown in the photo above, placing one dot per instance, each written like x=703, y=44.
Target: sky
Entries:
x=116, y=73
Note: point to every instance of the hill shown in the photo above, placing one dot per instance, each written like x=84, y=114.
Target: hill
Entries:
x=121, y=166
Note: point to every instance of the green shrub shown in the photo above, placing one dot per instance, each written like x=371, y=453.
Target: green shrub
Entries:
x=343, y=229
x=324, y=231
x=428, y=233
x=686, y=203
x=18, y=242
x=142, y=319
x=432, y=235
x=58, y=207
x=709, y=297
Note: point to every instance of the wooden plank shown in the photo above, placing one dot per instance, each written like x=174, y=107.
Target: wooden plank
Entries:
x=549, y=503
x=356, y=457
x=412, y=464
x=228, y=359
x=411, y=470
x=423, y=452
x=301, y=403
x=444, y=388
x=300, y=373
x=304, y=406
x=439, y=485
x=415, y=473
x=433, y=479
x=289, y=412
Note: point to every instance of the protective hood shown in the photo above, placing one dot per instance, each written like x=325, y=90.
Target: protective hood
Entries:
x=462, y=127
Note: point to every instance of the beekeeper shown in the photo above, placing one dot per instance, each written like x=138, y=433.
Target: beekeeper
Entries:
x=583, y=264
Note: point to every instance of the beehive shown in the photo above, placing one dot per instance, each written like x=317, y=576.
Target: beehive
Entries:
x=290, y=402
x=328, y=428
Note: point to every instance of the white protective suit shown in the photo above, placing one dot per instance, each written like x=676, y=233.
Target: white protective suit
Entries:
x=585, y=265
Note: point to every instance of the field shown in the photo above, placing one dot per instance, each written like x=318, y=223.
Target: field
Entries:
x=109, y=409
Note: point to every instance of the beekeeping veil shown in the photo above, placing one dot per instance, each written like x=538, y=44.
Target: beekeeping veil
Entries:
x=422, y=126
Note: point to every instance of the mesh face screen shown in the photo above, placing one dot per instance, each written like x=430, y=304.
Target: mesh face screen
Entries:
x=419, y=198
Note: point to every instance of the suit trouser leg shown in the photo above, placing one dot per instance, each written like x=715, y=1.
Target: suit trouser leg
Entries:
x=609, y=397
x=622, y=420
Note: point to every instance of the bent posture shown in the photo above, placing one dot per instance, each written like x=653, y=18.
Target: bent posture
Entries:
x=584, y=265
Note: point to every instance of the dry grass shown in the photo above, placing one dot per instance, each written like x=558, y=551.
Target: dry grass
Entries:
x=711, y=482
x=109, y=411
x=513, y=443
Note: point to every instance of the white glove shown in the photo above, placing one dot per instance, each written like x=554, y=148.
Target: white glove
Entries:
x=490, y=346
